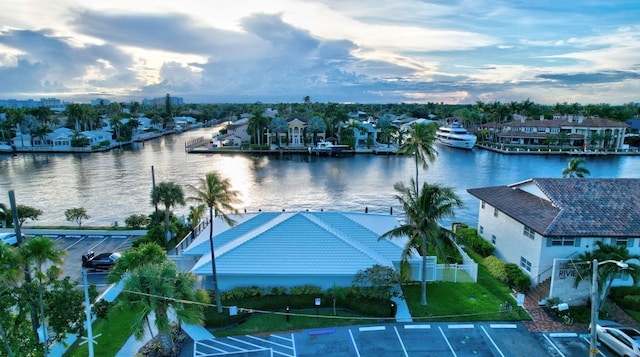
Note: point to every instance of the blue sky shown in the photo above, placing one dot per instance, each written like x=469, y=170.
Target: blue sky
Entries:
x=367, y=51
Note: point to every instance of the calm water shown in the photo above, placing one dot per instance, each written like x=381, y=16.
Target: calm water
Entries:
x=116, y=184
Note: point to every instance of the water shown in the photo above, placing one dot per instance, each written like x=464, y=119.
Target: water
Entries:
x=116, y=184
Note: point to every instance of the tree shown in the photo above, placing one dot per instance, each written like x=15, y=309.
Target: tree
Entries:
x=169, y=194
x=278, y=125
x=147, y=253
x=420, y=144
x=377, y=282
x=423, y=210
x=607, y=273
x=158, y=288
x=25, y=213
x=10, y=276
x=37, y=252
x=76, y=214
x=575, y=168
x=215, y=192
x=316, y=125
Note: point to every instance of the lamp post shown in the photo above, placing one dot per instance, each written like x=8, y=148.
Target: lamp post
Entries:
x=593, y=349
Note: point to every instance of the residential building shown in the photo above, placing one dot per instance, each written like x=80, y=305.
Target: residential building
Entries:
x=542, y=224
x=297, y=126
x=564, y=131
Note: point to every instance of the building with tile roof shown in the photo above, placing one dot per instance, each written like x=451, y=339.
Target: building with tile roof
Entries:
x=288, y=249
x=541, y=221
x=580, y=132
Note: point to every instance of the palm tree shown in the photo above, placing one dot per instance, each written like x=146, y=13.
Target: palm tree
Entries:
x=37, y=252
x=169, y=194
x=215, y=192
x=159, y=288
x=575, y=168
x=420, y=144
x=423, y=209
x=147, y=253
x=10, y=276
x=607, y=273
x=279, y=125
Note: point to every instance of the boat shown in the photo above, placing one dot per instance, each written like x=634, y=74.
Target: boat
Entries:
x=4, y=147
x=455, y=135
x=328, y=148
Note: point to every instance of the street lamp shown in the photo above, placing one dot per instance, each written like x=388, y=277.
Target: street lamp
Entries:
x=593, y=349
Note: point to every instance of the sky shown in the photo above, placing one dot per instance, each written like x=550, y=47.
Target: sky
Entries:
x=341, y=51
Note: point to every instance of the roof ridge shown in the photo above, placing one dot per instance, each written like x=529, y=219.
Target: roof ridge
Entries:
x=357, y=245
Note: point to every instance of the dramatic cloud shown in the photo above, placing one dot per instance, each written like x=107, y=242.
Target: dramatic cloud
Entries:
x=277, y=51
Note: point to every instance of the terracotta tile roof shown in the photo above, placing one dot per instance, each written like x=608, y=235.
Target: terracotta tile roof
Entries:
x=576, y=207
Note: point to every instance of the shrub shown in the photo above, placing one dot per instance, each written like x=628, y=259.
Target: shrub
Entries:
x=496, y=267
x=137, y=221
x=105, y=143
x=474, y=241
x=305, y=290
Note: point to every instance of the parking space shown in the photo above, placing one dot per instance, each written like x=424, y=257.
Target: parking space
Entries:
x=77, y=245
x=397, y=339
x=567, y=344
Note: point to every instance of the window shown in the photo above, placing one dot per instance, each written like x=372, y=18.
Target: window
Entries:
x=563, y=241
x=525, y=264
x=495, y=212
x=528, y=232
x=482, y=204
x=481, y=229
x=621, y=242
x=493, y=239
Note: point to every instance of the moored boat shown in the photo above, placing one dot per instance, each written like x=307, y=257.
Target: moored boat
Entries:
x=4, y=147
x=330, y=149
x=455, y=135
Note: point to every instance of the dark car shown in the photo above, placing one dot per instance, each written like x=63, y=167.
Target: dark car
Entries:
x=102, y=261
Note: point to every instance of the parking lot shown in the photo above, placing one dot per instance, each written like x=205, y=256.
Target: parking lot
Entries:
x=396, y=339
x=77, y=243
x=565, y=344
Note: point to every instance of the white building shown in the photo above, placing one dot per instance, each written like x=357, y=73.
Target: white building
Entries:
x=542, y=223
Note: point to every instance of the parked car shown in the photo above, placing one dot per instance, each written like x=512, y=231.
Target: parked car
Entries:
x=102, y=261
x=623, y=340
x=11, y=238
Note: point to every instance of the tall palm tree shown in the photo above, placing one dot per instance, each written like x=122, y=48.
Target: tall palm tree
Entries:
x=159, y=288
x=37, y=252
x=607, y=273
x=215, y=192
x=575, y=169
x=423, y=209
x=420, y=144
x=147, y=253
x=169, y=194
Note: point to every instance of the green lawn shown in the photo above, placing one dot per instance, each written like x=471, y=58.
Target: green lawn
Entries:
x=115, y=332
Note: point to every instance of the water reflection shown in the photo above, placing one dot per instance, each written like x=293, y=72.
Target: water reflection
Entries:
x=116, y=184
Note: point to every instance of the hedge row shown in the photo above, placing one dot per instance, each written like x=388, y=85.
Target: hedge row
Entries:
x=508, y=273
x=474, y=241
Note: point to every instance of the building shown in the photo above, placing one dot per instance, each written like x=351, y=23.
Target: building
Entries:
x=288, y=249
x=563, y=131
x=542, y=223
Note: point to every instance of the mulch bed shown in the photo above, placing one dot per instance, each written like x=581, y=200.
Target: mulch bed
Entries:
x=152, y=348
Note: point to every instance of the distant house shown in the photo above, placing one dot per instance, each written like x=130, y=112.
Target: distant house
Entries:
x=581, y=132
x=236, y=133
x=366, y=135
x=297, y=126
x=288, y=249
x=542, y=223
x=59, y=139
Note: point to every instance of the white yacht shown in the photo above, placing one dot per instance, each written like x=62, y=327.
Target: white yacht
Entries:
x=456, y=136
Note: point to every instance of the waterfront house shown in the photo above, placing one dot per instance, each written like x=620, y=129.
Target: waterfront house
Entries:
x=565, y=131
x=236, y=133
x=288, y=249
x=541, y=224
x=297, y=126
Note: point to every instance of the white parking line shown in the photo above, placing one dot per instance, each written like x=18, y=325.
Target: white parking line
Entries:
x=503, y=326
x=553, y=345
x=416, y=327
x=372, y=328
x=447, y=340
x=293, y=343
x=563, y=334
x=492, y=342
x=353, y=342
x=268, y=341
x=401, y=343
x=461, y=326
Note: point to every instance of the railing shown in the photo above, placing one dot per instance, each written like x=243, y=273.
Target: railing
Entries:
x=188, y=239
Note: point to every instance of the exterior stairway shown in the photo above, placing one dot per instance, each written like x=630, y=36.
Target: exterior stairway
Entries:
x=540, y=291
